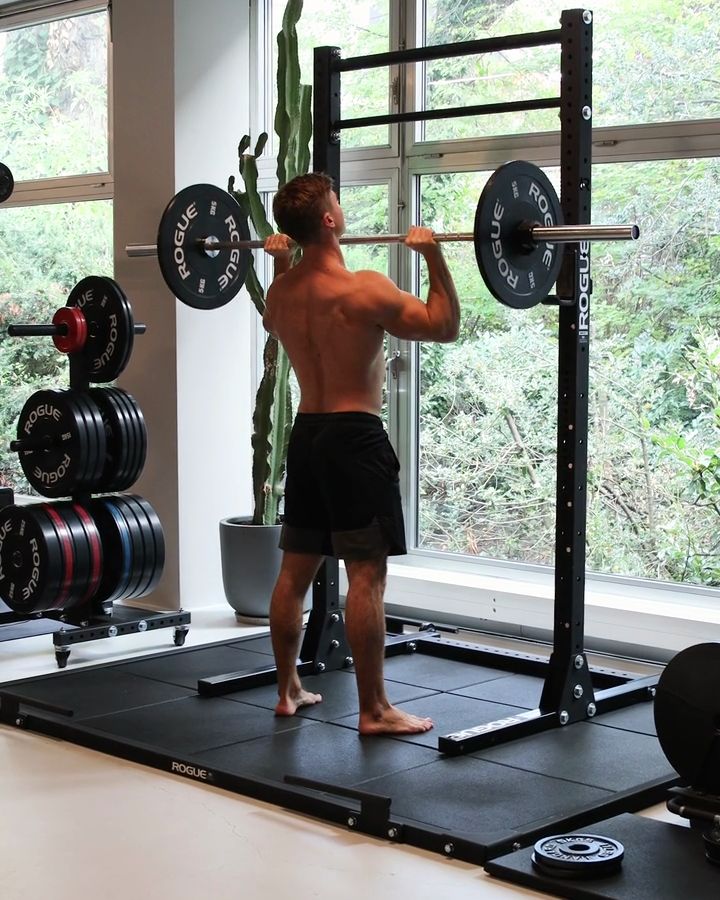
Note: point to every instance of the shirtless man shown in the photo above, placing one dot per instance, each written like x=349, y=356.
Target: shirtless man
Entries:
x=342, y=495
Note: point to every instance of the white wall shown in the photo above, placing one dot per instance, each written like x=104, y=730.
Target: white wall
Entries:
x=180, y=75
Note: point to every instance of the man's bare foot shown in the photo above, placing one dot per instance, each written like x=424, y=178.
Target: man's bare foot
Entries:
x=393, y=721
x=289, y=704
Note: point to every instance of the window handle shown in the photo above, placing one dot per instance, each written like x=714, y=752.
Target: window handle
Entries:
x=394, y=364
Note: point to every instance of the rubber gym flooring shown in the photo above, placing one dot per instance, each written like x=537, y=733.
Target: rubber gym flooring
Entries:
x=473, y=807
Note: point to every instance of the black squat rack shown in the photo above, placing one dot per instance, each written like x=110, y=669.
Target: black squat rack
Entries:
x=67, y=567
x=573, y=691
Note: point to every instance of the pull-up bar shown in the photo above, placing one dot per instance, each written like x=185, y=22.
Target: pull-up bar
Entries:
x=447, y=51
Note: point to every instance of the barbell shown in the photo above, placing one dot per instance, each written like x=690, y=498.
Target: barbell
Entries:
x=204, y=246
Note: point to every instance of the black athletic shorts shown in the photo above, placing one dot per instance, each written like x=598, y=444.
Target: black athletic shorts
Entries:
x=342, y=493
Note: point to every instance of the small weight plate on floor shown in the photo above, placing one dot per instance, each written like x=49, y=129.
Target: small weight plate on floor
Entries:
x=111, y=330
x=687, y=715
x=519, y=272
x=7, y=183
x=197, y=278
x=117, y=549
x=31, y=560
x=578, y=856
x=117, y=451
x=52, y=421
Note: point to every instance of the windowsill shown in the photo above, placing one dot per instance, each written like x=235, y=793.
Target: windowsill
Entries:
x=636, y=619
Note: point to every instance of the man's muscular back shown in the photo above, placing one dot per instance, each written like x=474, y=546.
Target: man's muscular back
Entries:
x=335, y=348
x=331, y=323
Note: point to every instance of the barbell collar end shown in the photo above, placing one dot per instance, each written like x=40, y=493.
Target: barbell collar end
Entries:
x=140, y=328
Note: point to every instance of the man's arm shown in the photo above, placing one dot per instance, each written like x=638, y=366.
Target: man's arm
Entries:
x=278, y=246
x=406, y=316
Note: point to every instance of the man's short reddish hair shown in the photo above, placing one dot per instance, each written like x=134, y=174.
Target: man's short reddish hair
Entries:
x=299, y=205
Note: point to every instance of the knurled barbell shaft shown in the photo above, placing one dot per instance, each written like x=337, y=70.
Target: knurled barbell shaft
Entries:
x=560, y=234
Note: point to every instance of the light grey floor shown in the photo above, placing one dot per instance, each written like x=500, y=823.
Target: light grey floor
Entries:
x=78, y=824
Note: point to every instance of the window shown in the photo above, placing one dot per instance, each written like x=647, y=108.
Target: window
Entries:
x=474, y=422
x=56, y=228
x=360, y=29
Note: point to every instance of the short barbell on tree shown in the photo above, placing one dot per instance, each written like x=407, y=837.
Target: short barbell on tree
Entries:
x=97, y=324
x=203, y=244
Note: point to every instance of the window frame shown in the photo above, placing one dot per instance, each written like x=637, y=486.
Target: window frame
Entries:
x=66, y=188
x=682, y=139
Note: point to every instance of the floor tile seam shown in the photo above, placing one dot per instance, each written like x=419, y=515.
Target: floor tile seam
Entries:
x=553, y=777
x=518, y=768
x=149, y=705
x=623, y=728
x=259, y=737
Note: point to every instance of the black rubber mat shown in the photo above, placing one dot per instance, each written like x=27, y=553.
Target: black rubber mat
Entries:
x=109, y=690
x=260, y=644
x=148, y=710
x=587, y=755
x=633, y=718
x=434, y=673
x=339, y=693
x=449, y=712
x=473, y=797
x=515, y=690
x=323, y=752
x=662, y=862
x=185, y=667
x=194, y=724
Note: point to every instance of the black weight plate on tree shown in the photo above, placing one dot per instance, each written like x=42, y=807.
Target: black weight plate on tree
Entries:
x=518, y=272
x=578, y=856
x=97, y=442
x=115, y=472
x=96, y=551
x=83, y=553
x=139, y=431
x=131, y=342
x=31, y=560
x=195, y=277
x=111, y=330
x=64, y=597
x=148, y=543
x=53, y=417
x=91, y=459
x=141, y=546
x=159, y=537
x=7, y=183
x=131, y=436
x=155, y=542
x=116, y=549
x=687, y=715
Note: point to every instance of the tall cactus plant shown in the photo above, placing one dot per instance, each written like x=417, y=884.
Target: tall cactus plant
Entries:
x=272, y=416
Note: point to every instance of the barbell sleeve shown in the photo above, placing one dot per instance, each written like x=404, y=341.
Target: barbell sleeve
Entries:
x=559, y=234
x=566, y=234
